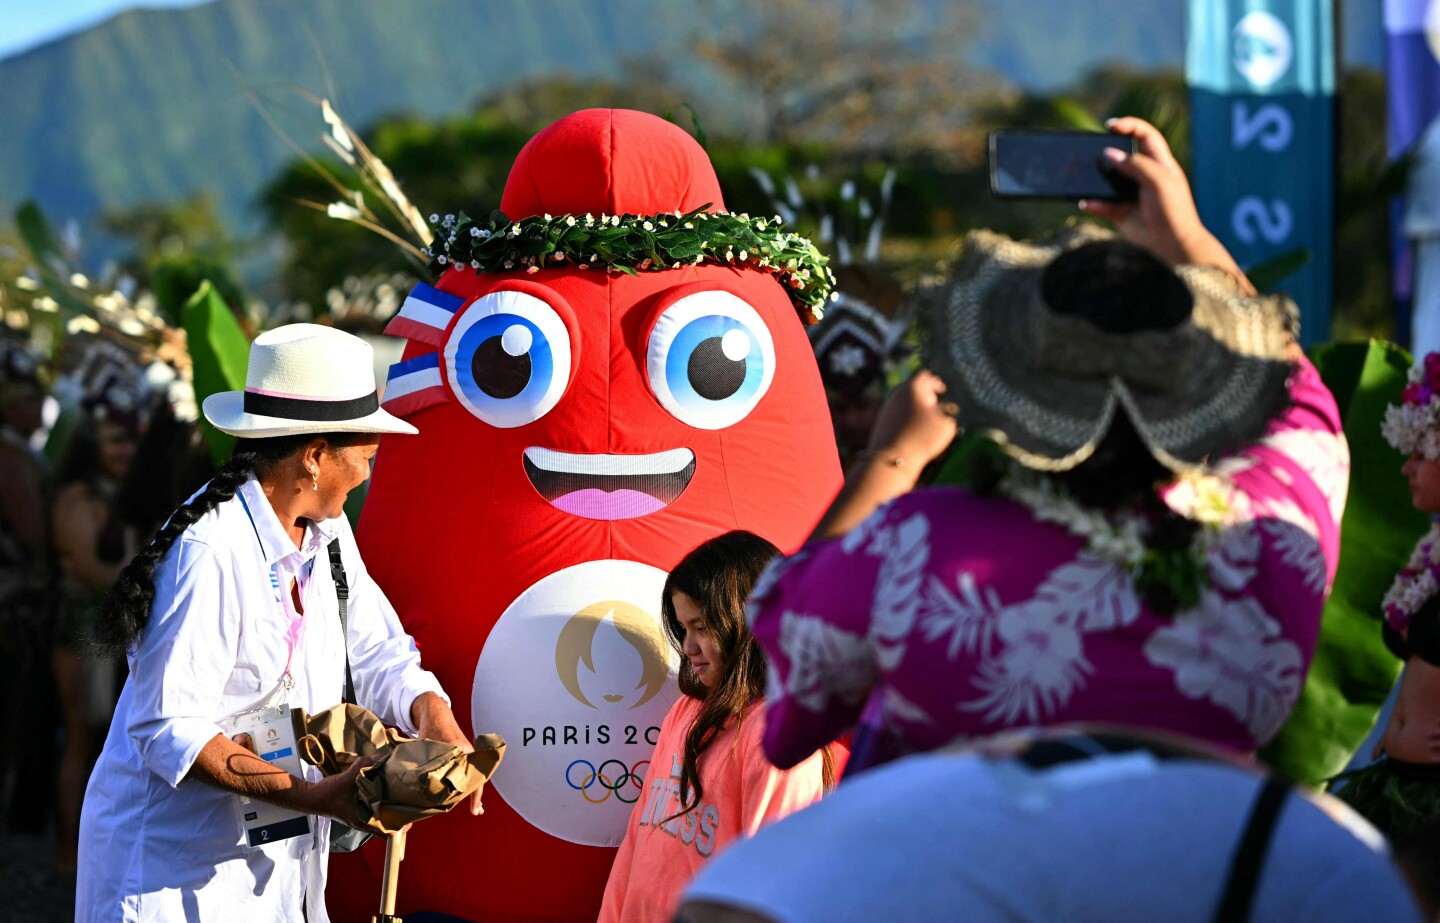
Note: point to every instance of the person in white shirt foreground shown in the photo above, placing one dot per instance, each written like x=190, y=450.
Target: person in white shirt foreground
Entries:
x=1086, y=828
x=233, y=607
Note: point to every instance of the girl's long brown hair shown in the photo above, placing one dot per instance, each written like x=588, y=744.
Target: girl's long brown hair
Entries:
x=719, y=575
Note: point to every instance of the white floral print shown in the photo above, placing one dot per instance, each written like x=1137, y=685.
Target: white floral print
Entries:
x=967, y=617
x=1231, y=653
x=898, y=586
x=1325, y=457
x=1095, y=594
x=825, y=661
x=1042, y=664
x=1287, y=510
x=1299, y=550
x=1235, y=558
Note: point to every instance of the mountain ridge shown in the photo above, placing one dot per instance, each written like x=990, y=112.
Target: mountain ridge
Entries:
x=143, y=106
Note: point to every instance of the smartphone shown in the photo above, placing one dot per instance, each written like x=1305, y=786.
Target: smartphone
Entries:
x=1032, y=164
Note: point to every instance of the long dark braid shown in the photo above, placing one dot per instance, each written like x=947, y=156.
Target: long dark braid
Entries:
x=127, y=610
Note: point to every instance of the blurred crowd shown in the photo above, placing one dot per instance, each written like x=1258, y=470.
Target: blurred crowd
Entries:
x=96, y=448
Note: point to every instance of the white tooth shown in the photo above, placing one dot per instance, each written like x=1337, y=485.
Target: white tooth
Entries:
x=570, y=463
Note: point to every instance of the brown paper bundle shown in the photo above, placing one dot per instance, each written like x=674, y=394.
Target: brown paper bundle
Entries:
x=409, y=780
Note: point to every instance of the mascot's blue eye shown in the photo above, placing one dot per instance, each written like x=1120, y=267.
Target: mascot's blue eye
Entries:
x=508, y=358
x=710, y=359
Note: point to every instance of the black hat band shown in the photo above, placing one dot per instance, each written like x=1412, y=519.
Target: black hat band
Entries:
x=294, y=408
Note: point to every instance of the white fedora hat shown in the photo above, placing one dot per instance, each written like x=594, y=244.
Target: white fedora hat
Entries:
x=304, y=378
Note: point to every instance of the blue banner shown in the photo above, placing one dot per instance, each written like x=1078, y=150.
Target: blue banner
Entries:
x=1412, y=44
x=1262, y=90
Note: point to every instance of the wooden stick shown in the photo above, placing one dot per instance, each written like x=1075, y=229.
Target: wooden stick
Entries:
x=394, y=852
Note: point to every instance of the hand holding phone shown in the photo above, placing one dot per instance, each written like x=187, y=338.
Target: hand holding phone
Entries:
x=1068, y=165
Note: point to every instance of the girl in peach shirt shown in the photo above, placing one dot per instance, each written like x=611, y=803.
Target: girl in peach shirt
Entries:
x=709, y=782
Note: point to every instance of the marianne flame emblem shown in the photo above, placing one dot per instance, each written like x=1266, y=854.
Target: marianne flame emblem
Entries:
x=615, y=634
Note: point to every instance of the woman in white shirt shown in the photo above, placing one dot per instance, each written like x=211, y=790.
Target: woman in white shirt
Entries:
x=233, y=607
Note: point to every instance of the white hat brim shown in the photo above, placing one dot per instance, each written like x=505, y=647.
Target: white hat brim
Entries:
x=226, y=412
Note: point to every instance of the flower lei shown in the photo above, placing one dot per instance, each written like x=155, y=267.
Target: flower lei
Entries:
x=1181, y=575
x=636, y=243
x=1414, y=424
x=1417, y=581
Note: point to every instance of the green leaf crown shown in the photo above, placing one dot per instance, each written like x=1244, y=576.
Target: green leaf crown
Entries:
x=636, y=243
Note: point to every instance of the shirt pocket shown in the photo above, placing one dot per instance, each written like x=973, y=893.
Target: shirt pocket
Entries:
x=244, y=682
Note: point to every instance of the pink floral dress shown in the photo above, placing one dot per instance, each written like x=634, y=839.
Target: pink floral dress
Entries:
x=947, y=615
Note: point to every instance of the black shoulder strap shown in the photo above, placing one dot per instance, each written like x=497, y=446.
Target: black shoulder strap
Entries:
x=342, y=593
x=1249, y=858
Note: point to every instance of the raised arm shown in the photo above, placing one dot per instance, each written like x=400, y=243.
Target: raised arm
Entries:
x=1163, y=219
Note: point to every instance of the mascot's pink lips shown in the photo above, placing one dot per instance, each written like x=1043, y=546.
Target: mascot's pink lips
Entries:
x=609, y=486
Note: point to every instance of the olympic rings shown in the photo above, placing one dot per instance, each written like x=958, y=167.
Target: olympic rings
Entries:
x=626, y=775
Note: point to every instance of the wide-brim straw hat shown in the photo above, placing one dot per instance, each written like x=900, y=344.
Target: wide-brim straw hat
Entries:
x=1046, y=386
x=302, y=379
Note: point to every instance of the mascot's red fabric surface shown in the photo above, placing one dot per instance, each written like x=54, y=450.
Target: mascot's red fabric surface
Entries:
x=580, y=431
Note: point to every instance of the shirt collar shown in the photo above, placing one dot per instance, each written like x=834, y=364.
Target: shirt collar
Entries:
x=275, y=542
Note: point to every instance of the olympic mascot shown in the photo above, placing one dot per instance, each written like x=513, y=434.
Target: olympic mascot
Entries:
x=610, y=372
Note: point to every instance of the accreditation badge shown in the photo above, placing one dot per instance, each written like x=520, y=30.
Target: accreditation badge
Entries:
x=272, y=731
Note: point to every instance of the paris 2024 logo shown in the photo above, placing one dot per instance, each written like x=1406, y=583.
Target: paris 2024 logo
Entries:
x=578, y=671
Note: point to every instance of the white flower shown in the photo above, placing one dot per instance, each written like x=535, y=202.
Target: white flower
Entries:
x=441, y=259
x=559, y=257
x=1234, y=557
x=434, y=218
x=744, y=255
x=474, y=232
x=615, y=221
x=547, y=216
x=690, y=224
x=825, y=662
x=449, y=220
x=474, y=264
x=848, y=360
x=533, y=268
x=648, y=226
x=1038, y=670
x=1232, y=654
x=594, y=257
x=570, y=221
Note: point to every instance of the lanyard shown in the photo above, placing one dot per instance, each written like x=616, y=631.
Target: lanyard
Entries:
x=296, y=624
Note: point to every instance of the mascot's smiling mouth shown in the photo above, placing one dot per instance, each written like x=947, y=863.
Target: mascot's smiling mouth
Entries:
x=609, y=486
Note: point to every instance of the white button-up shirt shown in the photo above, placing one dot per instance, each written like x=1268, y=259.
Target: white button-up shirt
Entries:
x=155, y=845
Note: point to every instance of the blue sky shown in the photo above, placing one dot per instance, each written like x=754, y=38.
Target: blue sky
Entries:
x=27, y=23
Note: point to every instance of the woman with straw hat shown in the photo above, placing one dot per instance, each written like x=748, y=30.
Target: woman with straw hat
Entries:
x=231, y=615
x=1149, y=543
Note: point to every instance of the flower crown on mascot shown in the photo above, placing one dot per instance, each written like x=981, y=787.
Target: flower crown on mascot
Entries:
x=612, y=374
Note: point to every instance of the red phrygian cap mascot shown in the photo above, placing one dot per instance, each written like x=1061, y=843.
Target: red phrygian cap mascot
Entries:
x=612, y=374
